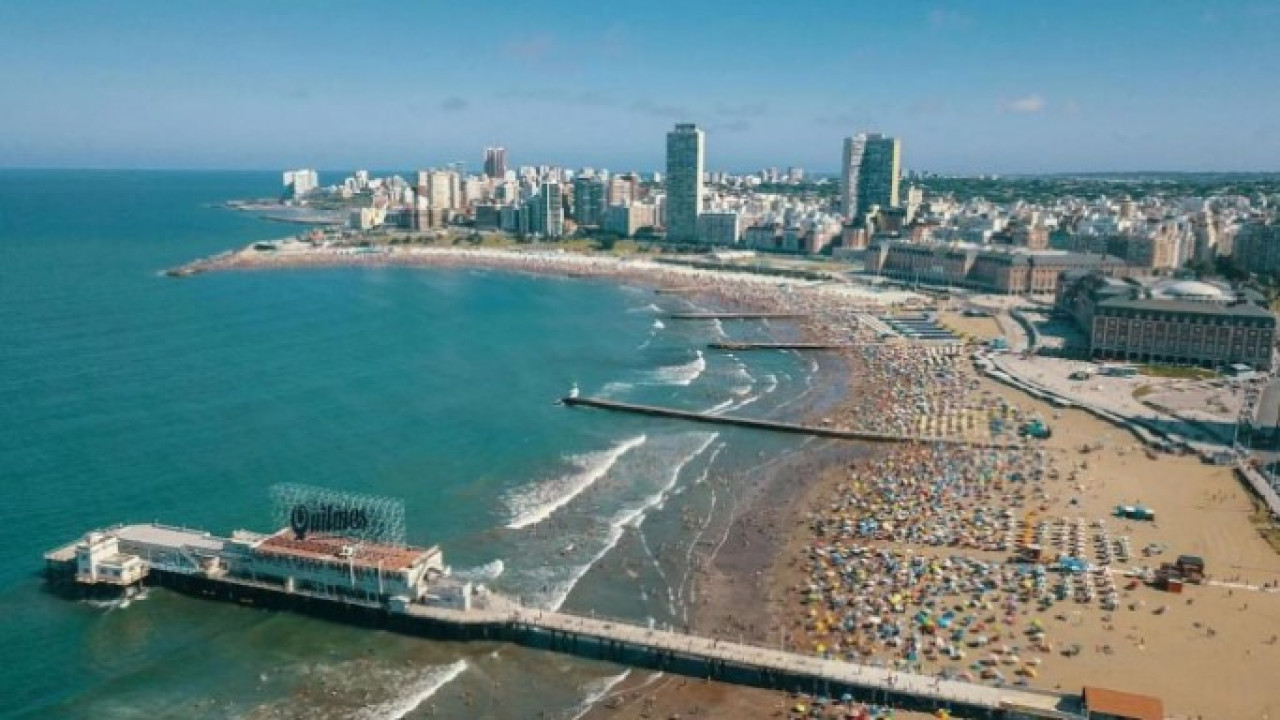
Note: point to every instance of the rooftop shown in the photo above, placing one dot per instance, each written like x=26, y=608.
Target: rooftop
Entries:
x=167, y=536
x=328, y=548
x=1123, y=704
x=1189, y=289
x=1192, y=307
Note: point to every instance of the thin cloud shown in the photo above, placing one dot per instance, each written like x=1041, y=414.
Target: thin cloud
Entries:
x=942, y=18
x=613, y=41
x=733, y=126
x=754, y=109
x=1028, y=105
x=535, y=49
x=927, y=107
x=586, y=98
x=648, y=107
x=454, y=104
x=1071, y=107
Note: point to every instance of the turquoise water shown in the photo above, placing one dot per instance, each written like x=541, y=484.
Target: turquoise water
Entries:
x=127, y=396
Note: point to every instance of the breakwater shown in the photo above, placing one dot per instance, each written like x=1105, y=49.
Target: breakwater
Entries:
x=774, y=426
x=735, y=316
x=729, y=345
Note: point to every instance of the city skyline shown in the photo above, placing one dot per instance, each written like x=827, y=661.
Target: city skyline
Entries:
x=994, y=87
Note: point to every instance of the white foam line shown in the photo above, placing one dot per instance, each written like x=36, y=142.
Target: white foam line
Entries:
x=620, y=521
x=489, y=571
x=636, y=516
x=693, y=542
x=682, y=375
x=599, y=466
x=719, y=407
x=746, y=401
x=419, y=692
x=605, y=687
x=772, y=383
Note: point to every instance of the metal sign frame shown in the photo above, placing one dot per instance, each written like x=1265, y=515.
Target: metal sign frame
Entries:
x=307, y=509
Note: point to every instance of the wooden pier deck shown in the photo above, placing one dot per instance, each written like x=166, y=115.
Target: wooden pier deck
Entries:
x=611, y=638
x=735, y=316
x=816, y=431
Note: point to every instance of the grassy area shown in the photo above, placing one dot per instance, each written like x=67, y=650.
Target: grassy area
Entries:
x=1180, y=372
x=1142, y=391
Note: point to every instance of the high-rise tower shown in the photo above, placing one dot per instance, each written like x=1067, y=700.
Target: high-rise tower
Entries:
x=495, y=162
x=872, y=164
x=685, y=156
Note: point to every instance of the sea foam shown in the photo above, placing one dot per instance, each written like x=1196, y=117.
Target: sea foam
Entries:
x=482, y=573
x=531, y=506
x=599, y=690
x=633, y=517
x=682, y=375
x=417, y=692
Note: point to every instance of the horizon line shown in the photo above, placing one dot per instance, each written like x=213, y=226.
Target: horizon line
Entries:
x=942, y=174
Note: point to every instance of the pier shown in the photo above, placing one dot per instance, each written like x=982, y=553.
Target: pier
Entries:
x=735, y=316
x=771, y=425
x=729, y=345
x=336, y=582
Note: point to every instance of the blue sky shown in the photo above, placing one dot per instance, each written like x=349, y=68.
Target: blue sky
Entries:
x=997, y=86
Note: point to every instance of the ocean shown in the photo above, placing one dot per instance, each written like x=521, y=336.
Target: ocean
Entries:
x=126, y=396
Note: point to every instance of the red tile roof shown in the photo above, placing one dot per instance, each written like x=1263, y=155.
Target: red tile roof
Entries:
x=329, y=549
x=1123, y=704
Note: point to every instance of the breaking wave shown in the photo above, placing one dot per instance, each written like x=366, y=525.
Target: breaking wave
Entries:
x=682, y=375
x=418, y=692
x=531, y=506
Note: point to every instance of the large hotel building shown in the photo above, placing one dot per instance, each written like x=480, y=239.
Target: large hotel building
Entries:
x=1180, y=322
x=982, y=267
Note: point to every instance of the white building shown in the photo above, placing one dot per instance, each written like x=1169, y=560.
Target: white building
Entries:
x=627, y=220
x=300, y=183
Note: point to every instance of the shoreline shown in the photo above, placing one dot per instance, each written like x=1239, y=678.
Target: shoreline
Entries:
x=739, y=568
x=782, y=573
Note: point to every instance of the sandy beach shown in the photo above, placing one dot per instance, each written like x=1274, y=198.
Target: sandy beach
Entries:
x=904, y=556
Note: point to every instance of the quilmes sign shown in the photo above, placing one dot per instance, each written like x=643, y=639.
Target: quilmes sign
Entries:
x=328, y=519
x=307, y=510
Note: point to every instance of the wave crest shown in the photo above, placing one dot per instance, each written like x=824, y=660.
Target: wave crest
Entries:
x=531, y=506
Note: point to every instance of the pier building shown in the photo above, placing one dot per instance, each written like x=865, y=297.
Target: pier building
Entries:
x=317, y=565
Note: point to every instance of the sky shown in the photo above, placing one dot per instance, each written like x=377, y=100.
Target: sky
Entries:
x=996, y=86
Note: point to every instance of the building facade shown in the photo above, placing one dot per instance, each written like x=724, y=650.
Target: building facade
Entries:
x=1170, y=321
x=719, y=228
x=1257, y=247
x=627, y=220
x=1012, y=270
x=685, y=159
x=300, y=183
x=589, y=201
x=495, y=162
x=869, y=173
x=544, y=212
